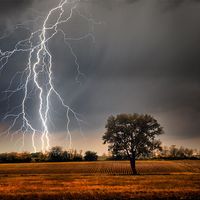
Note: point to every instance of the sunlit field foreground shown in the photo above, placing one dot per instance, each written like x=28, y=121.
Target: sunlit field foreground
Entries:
x=100, y=180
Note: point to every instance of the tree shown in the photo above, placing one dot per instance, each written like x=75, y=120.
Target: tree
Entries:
x=55, y=154
x=90, y=156
x=24, y=157
x=65, y=156
x=133, y=135
x=173, y=150
x=39, y=157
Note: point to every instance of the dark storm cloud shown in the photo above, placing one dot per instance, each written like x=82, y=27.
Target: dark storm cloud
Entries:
x=173, y=4
x=12, y=4
x=152, y=64
x=13, y=12
x=11, y=7
x=144, y=60
x=168, y=5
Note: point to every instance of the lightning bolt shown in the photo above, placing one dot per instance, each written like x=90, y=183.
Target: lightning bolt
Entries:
x=39, y=65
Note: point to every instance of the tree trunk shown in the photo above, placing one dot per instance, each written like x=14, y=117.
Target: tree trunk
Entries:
x=132, y=161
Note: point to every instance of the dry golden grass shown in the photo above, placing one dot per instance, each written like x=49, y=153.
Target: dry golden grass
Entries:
x=100, y=180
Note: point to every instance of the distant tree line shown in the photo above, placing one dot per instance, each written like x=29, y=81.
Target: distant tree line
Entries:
x=56, y=154
x=169, y=153
x=174, y=152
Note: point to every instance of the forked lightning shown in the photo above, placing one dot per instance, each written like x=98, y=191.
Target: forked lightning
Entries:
x=39, y=65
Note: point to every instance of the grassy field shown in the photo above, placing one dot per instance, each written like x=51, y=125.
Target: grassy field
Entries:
x=100, y=180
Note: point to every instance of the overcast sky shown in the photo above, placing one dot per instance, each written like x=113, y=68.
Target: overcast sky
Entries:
x=145, y=59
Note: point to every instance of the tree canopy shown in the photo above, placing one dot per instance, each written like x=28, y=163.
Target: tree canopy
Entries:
x=90, y=156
